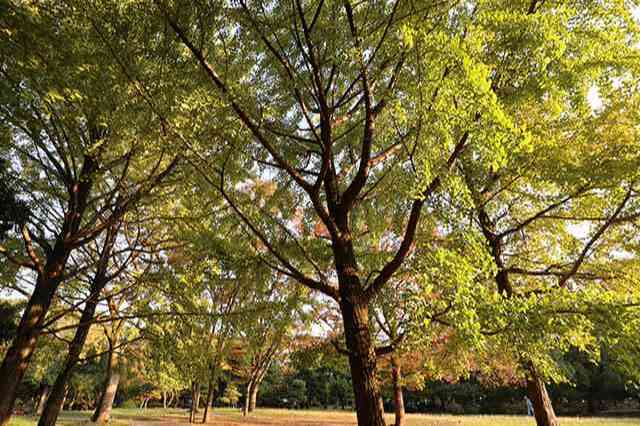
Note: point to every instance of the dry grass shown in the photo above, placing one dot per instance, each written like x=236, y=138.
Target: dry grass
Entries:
x=230, y=417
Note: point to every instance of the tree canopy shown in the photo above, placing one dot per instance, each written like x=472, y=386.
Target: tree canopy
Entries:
x=420, y=185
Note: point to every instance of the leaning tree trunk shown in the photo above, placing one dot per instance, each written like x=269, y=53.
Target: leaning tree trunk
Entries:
x=537, y=392
x=362, y=360
x=398, y=399
x=43, y=394
x=17, y=358
x=56, y=399
x=195, y=401
x=209, y=403
x=103, y=410
x=253, y=396
x=64, y=397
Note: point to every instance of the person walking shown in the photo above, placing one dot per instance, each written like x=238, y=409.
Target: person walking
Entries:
x=529, y=406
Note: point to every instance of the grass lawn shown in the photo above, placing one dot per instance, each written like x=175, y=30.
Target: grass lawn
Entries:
x=231, y=417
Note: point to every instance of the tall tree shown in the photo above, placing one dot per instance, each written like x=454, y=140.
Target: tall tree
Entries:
x=64, y=108
x=100, y=278
x=358, y=112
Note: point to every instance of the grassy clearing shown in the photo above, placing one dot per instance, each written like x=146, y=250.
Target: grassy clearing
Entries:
x=231, y=417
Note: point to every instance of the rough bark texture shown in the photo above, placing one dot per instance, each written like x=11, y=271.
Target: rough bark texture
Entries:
x=195, y=401
x=362, y=360
x=354, y=308
x=17, y=358
x=103, y=410
x=398, y=399
x=542, y=406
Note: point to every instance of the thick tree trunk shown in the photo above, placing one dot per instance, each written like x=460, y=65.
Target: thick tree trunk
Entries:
x=56, y=399
x=17, y=358
x=195, y=401
x=537, y=392
x=43, y=394
x=398, y=399
x=362, y=360
x=103, y=410
x=18, y=355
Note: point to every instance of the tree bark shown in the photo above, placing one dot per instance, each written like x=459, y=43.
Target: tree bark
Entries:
x=49, y=277
x=103, y=410
x=253, y=396
x=536, y=389
x=537, y=392
x=17, y=358
x=72, y=403
x=362, y=360
x=398, y=398
x=247, y=398
x=210, y=395
x=56, y=399
x=195, y=401
x=64, y=397
x=43, y=395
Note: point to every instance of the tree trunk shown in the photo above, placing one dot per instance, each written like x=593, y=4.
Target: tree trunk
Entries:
x=253, y=396
x=537, y=392
x=398, y=399
x=17, y=358
x=56, y=399
x=43, y=394
x=103, y=410
x=362, y=360
x=210, y=392
x=247, y=398
x=195, y=401
x=64, y=398
x=72, y=403
x=210, y=395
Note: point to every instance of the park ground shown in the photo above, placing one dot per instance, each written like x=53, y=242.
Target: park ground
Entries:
x=230, y=417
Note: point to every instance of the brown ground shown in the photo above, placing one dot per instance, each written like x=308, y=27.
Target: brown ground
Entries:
x=237, y=420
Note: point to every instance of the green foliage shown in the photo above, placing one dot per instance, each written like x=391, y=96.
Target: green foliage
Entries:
x=9, y=318
x=514, y=121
